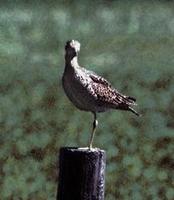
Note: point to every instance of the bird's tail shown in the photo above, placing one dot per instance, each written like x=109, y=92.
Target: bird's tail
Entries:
x=131, y=100
x=134, y=111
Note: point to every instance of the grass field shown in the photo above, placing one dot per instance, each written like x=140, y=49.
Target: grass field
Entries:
x=131, y=43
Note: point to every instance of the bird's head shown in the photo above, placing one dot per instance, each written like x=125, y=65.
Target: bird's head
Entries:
x=72, y=48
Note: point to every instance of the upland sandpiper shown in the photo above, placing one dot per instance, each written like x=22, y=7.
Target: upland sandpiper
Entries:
x=89, y=91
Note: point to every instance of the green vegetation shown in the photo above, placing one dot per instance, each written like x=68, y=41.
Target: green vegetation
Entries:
x=131, y=44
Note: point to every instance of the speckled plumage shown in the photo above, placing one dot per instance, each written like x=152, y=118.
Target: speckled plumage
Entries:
x=89, y=91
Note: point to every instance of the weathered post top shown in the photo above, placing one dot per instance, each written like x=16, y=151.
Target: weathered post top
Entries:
x=81, y=174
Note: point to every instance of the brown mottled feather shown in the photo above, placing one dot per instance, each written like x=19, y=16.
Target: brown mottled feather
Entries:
x=99, y=79
x=108, y=95
x=87, y=90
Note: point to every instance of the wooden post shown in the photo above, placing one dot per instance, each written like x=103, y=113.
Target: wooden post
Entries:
x=81, y=174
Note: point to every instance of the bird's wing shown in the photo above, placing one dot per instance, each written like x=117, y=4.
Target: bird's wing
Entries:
x=108, y=96
x=99, y=79
x=106, y=93
x=96, y=78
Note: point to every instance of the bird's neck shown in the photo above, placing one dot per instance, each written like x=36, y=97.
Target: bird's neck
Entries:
x=71, y=62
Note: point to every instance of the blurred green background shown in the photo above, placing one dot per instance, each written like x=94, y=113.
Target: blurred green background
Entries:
x=131, y=43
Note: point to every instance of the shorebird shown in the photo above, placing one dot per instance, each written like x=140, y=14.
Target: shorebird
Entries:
x=89, y=91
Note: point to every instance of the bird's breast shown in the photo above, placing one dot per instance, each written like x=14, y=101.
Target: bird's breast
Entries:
x=78, y=88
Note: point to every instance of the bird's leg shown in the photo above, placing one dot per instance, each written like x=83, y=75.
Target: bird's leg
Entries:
x=95, y=124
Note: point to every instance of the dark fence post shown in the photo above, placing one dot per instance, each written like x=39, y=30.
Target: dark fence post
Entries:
x=81, y=174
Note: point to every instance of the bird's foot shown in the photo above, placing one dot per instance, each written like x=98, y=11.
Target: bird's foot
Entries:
x=87, y=148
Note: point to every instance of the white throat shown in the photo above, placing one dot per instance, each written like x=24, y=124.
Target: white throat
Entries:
x=74, y=62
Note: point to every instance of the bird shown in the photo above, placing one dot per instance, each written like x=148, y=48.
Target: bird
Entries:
x=91, y=92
